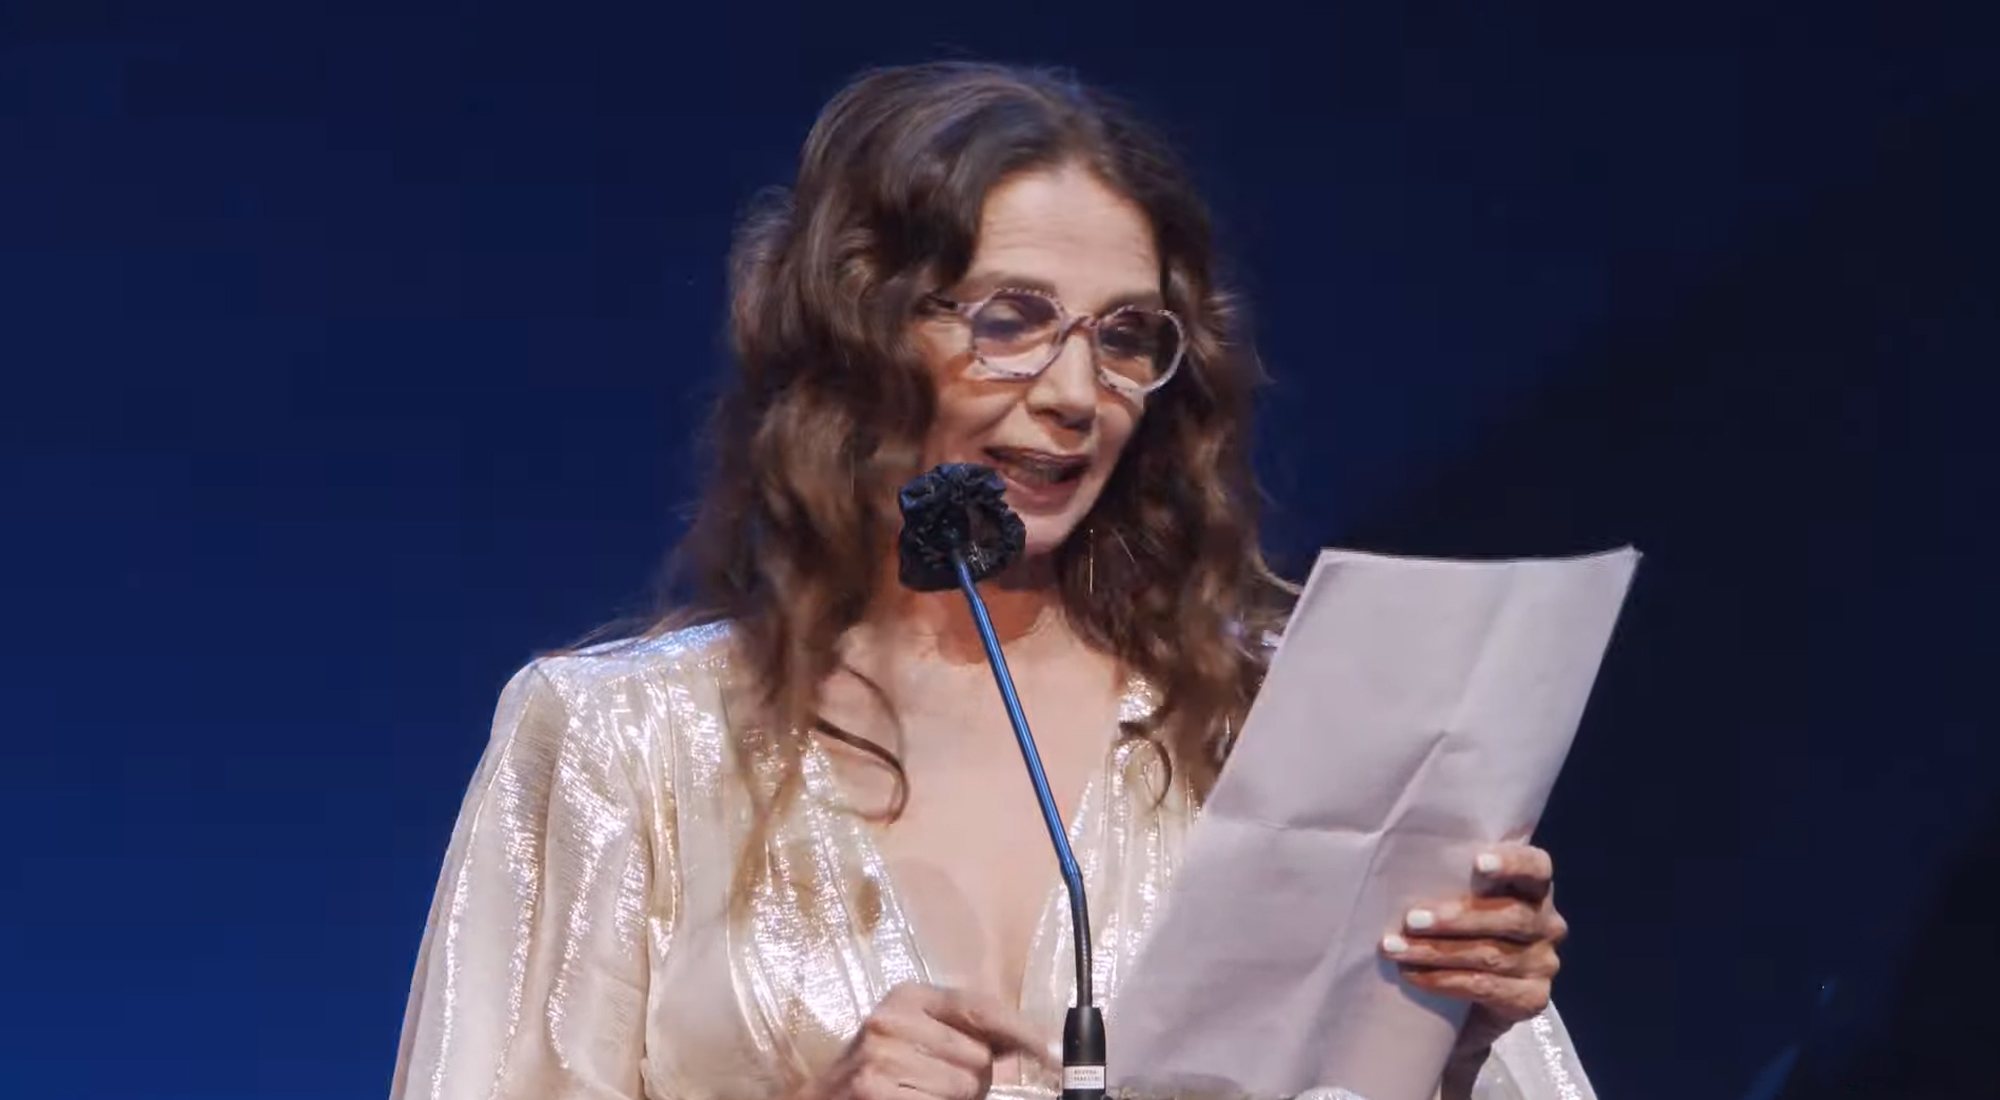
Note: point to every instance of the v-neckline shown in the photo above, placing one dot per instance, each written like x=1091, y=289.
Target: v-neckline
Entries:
x=1131, y=699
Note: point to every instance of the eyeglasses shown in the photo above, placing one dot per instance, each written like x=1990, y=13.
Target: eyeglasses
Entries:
x=1017, y=333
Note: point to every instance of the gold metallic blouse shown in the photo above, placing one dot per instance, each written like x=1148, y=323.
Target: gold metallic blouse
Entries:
x=578, y=946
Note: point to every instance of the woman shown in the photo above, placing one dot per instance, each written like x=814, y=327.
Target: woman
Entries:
x=782, y=846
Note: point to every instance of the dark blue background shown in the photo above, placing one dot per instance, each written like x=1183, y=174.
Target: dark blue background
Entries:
x=351, y=352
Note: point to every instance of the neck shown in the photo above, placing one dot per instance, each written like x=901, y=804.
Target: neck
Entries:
x=1022, y=600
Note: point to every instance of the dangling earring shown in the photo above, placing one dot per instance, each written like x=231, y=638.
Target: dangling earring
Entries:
x=1090, y=560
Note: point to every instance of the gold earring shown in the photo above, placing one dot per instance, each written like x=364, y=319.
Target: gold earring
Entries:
x=1090, y=560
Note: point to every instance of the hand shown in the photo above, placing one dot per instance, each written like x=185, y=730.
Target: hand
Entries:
x=925, y=1042
x=1495, y=947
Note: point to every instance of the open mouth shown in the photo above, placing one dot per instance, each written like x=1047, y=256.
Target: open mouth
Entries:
x=1037, y=469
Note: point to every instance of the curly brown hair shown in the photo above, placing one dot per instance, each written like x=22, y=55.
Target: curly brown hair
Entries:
x=827, y=412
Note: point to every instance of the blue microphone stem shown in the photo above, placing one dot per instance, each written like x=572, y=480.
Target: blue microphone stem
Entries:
x=1071, y=874
x=1083, y=1076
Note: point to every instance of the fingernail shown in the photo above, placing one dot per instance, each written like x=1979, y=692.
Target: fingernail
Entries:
x=1487, y=863
x=1055, y=1053
x=1394, y=944
x=1419, y=919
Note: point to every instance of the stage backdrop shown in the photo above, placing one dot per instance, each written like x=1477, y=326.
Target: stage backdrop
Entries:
x=351, y=353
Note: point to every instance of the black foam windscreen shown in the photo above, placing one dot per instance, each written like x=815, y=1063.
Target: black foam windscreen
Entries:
x=956, y=506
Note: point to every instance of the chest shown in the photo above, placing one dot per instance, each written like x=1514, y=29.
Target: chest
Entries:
x=969, y=857
x=747, y=1006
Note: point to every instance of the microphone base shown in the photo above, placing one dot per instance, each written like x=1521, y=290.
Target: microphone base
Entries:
x=1083, y=1054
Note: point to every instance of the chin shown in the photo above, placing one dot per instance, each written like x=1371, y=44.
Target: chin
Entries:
x=1045, y=534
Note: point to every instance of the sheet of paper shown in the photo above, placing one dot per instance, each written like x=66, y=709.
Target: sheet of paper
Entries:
x=1416, y=710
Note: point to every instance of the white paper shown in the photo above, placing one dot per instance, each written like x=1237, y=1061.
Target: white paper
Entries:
x=1416, y=711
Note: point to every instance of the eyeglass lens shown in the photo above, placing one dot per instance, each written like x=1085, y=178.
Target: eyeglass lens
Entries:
x=1016, y=333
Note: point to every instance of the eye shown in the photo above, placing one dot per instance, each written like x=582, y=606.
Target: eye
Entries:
x=1009, y=322
x=1131, y=334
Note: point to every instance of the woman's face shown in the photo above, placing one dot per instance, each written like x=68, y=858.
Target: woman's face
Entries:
x=1056, y=437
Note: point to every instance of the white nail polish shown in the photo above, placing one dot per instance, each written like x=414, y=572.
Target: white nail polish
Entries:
x=1488, y=863
x=1394, y=944
x=1417, y=920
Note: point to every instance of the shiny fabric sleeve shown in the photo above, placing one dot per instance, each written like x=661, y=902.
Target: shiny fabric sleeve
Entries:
x=1534, y=1060
x=531, y=983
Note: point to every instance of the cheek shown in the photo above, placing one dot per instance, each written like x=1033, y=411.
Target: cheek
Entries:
x=955, y=406
x=1118, y=425
x=963, y=414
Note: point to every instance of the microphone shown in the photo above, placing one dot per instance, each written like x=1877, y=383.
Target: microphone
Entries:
x=958, y=530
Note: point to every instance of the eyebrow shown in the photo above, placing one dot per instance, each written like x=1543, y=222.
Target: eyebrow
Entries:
x=994, y=280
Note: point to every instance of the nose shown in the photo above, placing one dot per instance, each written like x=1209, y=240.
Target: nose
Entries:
x=1067, y=391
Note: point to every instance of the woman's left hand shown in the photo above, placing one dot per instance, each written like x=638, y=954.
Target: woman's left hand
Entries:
x=1495, y=947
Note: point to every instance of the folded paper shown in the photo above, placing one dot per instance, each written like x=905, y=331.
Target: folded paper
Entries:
x=1416, y=711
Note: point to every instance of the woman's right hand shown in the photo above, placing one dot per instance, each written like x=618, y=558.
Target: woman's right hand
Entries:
x=926, y=1042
